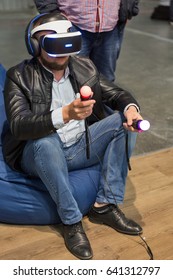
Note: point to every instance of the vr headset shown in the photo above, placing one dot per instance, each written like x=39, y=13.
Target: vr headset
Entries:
x=61, y=41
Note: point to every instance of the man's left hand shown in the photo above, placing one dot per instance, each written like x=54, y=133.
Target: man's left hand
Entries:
x=132, y=116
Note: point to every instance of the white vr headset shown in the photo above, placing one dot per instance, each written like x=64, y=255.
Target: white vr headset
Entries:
x=62, y=42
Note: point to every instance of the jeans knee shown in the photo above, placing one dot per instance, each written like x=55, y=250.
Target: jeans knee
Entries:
x=48, y=144
x=117, y=120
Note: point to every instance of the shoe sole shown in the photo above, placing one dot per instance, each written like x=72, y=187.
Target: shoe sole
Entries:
x=124, y=232
x=79, y=257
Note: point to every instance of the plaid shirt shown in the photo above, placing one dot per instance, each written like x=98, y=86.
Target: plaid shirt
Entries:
x=91, y=15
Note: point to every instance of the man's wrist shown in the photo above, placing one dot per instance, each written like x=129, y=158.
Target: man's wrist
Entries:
x=131, y=105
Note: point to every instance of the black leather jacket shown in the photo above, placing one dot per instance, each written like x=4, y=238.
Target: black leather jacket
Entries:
x=28, y=95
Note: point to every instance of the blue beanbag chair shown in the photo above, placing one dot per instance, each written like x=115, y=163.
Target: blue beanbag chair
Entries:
x=26, y=201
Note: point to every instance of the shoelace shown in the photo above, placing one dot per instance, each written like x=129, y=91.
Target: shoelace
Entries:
x=75, y=228
x=117, y=210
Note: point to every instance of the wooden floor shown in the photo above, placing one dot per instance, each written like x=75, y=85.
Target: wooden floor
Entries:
x=149, y=201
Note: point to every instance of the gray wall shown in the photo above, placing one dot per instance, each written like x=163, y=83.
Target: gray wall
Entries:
x=16, y=5
x=164, y=2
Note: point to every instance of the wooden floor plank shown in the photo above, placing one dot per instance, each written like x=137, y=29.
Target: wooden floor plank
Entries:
x=148, y=200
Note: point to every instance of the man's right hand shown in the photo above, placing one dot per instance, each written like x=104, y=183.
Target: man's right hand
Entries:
x=78, y=110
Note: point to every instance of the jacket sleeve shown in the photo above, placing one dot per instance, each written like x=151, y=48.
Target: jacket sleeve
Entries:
x=24, y=123
x=128, y=9
x=46, y=6
x=116, y=97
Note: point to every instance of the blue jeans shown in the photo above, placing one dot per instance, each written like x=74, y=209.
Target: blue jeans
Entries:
x=103, y=49
x=48, y=159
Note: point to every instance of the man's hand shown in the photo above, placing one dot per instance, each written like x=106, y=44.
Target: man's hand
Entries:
x=131, y=115
x=78, y=110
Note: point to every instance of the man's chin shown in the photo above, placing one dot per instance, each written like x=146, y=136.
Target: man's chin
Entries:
x=54, y=65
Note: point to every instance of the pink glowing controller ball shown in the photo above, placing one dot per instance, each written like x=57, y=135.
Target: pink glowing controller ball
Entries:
x=85, y=93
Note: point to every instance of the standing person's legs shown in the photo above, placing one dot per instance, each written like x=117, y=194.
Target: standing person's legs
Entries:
x=103, y=49
x=88, y=39
x=106, y=51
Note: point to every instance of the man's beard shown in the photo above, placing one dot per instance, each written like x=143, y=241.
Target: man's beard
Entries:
x=54, y=65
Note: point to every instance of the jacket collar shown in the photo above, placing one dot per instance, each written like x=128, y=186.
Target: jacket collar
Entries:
x=46, y=74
